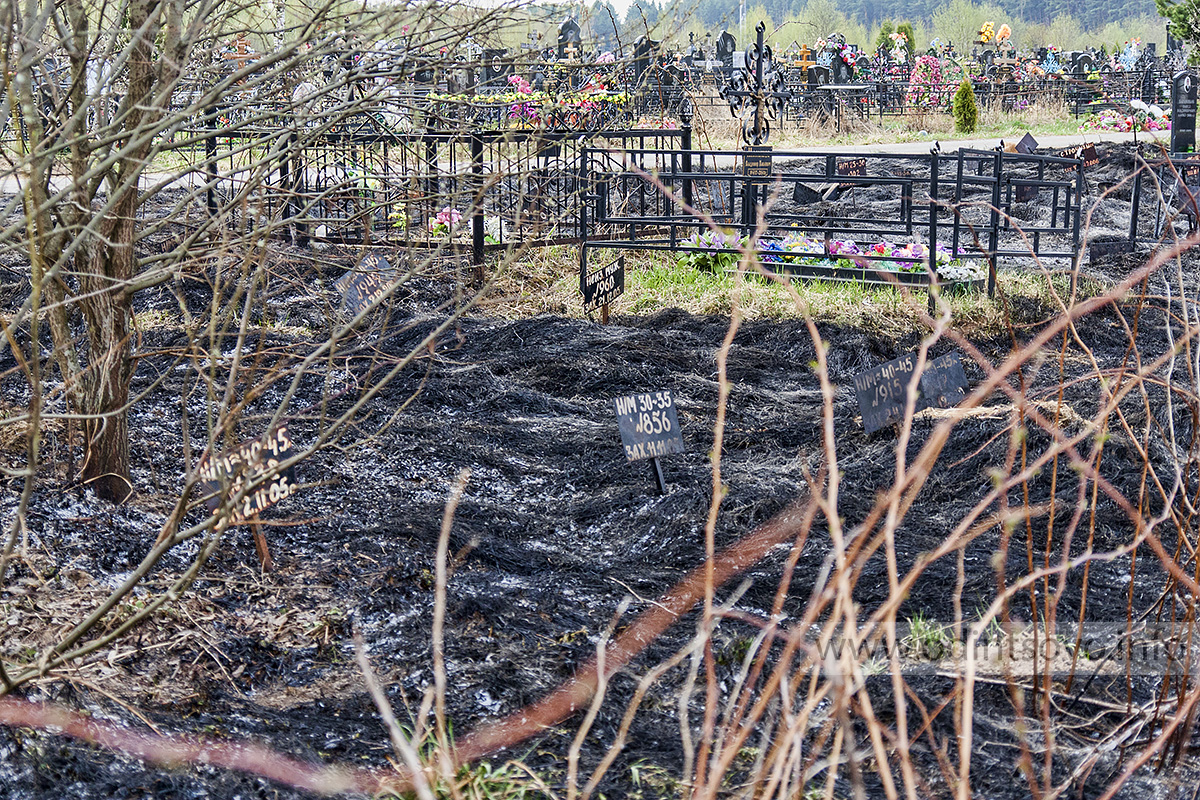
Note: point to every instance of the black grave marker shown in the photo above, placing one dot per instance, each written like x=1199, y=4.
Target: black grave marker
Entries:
x=943, y=384
x=851, y=167
x=843, y=73
x=1027, y=144
x=1025, y=192
x=600, y=287
x=245, y=464
x=649, y=425
x=1183, y=112
x=756, y=162
x=364, y=285
x=882, y=392
x=570, y=40
x=819, y=76
x=726, y=47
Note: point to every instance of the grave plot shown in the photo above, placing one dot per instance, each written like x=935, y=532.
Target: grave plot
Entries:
x=876, y=218
x=357, y=182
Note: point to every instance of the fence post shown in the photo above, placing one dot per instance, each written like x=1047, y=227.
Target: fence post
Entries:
x=686, y=142
x=994, y=227
x=933, y=211
x=477, y=215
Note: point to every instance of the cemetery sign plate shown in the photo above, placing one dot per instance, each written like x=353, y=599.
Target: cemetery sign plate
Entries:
x=856, y=167
x=882, y=392
x=1027, y=144
x=600, y=287
x=364, y=285
x=244, y=464
x=649, y=425
x=943, y=383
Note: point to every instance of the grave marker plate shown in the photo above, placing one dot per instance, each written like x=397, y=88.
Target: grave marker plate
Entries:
x=944, y=383
x=882, y=391
x=851, y=167
x=244, y=464
x=600, y=287
x=756, y=162
x=1086, y=152
x=649, y=425
x=1027, y=144
x=1183, y=112
x=365, y=284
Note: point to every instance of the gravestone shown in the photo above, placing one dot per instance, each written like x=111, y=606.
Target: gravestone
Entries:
x=364, y=285
x=1183, y=112
x=861, y=65
x=1027, y=144
x=1149, y=87
x=1084, y=64
x=569, y=35
x=882, y=392
x=1024, y=192
x=843, y=73
x=726, y=47
x=819, y=76
x=496, y=67
x=643, y=51
x=856, y=167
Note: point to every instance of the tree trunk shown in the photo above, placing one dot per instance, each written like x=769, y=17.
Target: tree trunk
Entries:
x=108, y=308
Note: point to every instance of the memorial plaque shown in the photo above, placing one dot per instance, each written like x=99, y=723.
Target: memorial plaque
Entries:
x=649, y=425
x=851, y=167
x=882, y=392
x=944, y=384
x=364, y=285
x=1027, y=144
x=600, y=287
x=243, y=465
x=1025, y=192
x=1183, y=112
x=756, y=162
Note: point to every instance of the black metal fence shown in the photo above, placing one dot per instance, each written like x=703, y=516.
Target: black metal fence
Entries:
x=805, y=213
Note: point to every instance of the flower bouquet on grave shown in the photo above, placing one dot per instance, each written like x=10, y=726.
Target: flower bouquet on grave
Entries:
x=711, y=250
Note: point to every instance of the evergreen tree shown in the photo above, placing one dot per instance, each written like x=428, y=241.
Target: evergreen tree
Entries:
x=884, y=38
x=966, y=110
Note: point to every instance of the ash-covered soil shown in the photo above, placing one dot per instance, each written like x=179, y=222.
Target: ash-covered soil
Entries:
x=555, y=530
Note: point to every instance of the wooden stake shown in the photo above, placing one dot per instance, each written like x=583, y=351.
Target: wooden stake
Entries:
x=260, y=546
x=604, y=314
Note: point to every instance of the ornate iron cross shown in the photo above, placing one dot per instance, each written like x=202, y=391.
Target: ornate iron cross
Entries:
x=756, y=91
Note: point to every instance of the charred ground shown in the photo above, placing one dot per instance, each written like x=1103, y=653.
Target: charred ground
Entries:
x=555, y=529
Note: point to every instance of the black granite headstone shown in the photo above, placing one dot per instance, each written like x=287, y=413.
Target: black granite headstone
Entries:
x=1183, y=112
x=843, y=73
x=726, y=46
x=568, y=35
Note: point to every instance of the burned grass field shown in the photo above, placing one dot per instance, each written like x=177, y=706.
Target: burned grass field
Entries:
x=1025, y=582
